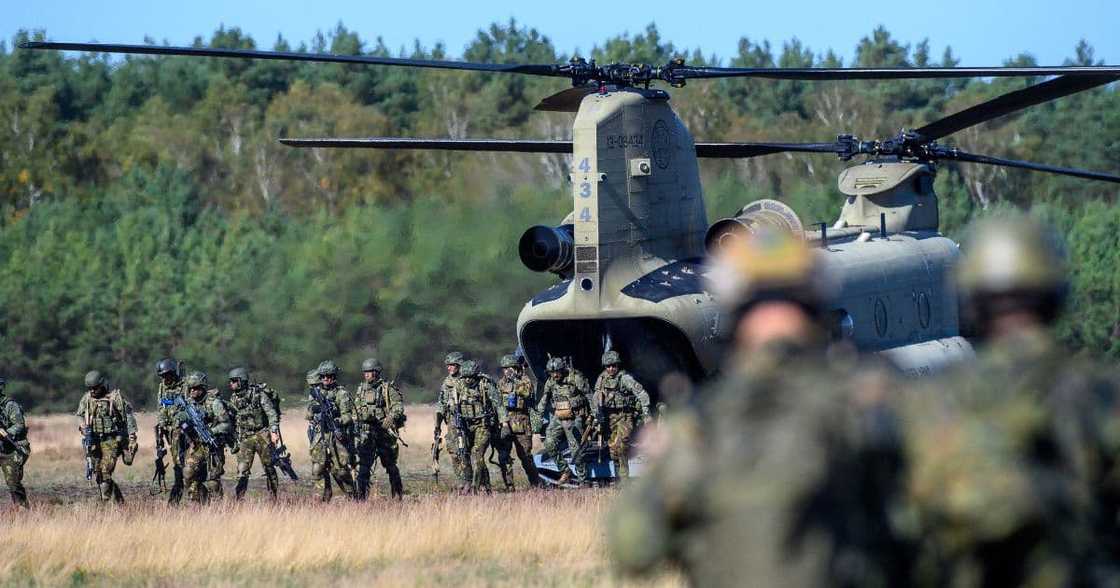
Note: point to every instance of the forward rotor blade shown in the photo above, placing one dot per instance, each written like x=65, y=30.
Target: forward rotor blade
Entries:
x=529, y=69
x=744, y=150
x=500, y=145
x=958, y=155
x=1012, y=102
x=885, y=73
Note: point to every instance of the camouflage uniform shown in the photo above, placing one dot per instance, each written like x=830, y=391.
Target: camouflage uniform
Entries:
x=257, y=420
x=1014, y=466
x=15, y=449
x=565, y=398
x=618, y=400
x=330, y=453
x=171, y=386
x=202, y=467
x=474, y=400
x=515, y=393
x=378, y=413
x=109, y=417
x=450, y=441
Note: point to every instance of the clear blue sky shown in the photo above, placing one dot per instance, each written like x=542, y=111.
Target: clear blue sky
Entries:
x=981, y=32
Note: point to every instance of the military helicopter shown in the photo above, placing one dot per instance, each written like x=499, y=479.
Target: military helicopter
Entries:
x=629, y=258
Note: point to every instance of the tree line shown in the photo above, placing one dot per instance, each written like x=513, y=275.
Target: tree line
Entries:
x=147, y=210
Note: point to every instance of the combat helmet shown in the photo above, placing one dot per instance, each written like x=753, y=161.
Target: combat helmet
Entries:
x=1013, y=262
x=372, y=365
x=94, y=379
x=453, y=358
x=166, y=366
x=510, y=361
x=469, y=369
x=611, y=358
x=768, y=265
x=328, y=368
x=197, y=380
x=239, y=373
x=555, y=364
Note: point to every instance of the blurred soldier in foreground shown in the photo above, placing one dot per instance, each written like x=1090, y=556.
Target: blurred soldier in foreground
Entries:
x=204, y=420
x=14, y=446
x=378, y=416
x=331, y=418
x=257, y=429
x=565, y=398
x=780, y=476
x=472, y=410
x=618, y=401
x=1014, y=477
x=167, y=433
x=108, y=430
x=453, y=362
x=515, y=434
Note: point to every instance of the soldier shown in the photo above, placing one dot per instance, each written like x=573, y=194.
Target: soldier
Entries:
x=782, y=472
x=108, y=424
x=565, y=398
x=515, y=393
x=202, y=461
x=171, y=386
x=618, y=400
x=473, y=405
x=331, y=417
x=1014, y=459
x=257, y=429
x=453, y=362
x=15, y=449
x=378, y=415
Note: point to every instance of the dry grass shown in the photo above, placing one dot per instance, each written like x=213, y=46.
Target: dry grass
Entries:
x=432, y=538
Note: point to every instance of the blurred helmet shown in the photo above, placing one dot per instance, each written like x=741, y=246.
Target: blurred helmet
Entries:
x=1012, y=255
x=555, y=364
x=372, y=365
x=611, y=358
x=94, y=379
x=509, y=361
x=453, y=358
x=328, y=368
x=313, y=377
x=239, y=373
x=768, y=265
x=196, y=380
x=166, y=366
x=469, y=368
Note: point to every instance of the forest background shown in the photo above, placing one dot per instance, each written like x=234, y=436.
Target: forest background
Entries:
x=147, y=210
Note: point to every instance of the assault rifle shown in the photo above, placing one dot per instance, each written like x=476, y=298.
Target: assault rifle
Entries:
x=282, y=459
x=327, y=424
x=159, y=483
x=196, y=422
x=436, y=444
x=461, y=430
x=88, y=446
x=16, y=446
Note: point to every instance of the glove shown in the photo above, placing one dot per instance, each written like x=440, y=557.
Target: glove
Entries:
x=315, y=409
x=388, y=424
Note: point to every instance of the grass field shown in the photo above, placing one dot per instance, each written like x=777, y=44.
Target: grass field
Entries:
x=432, y=538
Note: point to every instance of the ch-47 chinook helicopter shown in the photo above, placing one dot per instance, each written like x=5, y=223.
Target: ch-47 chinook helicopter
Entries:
x=629, y=257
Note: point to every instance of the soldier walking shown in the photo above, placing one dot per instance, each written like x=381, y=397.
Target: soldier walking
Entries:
x=167, y=433
x=257, y=426
x=565, y=398
x=472, y=407
x=618, y=401
x=378, y=415
x=331, y=417
x=202, y=461
x=453, y=363
x=15, y=449
x=515, y=434
x=108, y=429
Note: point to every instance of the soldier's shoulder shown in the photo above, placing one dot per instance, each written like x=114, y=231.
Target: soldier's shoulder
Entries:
x=627, y=379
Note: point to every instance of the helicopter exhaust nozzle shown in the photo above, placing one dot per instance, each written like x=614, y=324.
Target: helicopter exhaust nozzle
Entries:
x=547, y=249
x=730, y=232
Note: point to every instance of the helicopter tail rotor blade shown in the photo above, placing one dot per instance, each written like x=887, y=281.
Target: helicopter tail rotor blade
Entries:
x=529, y=69
x=958, y=155
x=1012, y=102
x=498, y=145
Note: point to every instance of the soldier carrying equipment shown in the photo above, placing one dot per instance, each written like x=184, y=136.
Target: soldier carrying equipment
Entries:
x=515, y=435
x=452, y=362
x=203, y=419
x=565, y=396
x=108, y=427
x=378, y=415
x=472, y=402
x=619, y=401
x=255, y=410
x=14, y=446
x=167, y=433
x=329, y=414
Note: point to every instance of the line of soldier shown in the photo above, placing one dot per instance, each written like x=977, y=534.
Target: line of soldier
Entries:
x=808, y=465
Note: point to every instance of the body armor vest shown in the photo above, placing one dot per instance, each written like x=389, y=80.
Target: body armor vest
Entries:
x=516, y=393
x=371, y=403
x=614, y=397
x=248, y=411
x=472, y=400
